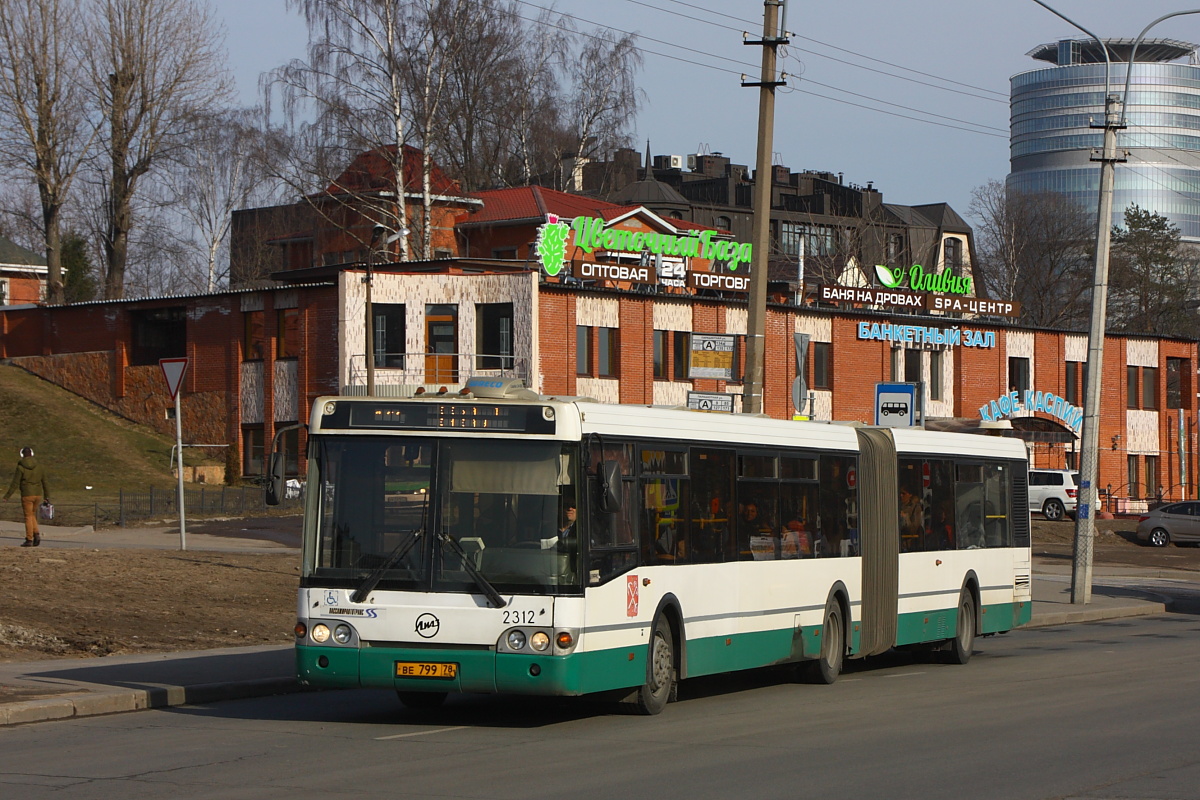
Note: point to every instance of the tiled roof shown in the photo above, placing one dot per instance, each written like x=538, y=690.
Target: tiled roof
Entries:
x=372, y=171
x=523, y=203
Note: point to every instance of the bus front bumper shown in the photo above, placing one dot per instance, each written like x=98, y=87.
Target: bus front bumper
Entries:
x=475, y=670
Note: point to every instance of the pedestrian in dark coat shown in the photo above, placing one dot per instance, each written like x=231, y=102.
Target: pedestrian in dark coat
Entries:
x=30, y=479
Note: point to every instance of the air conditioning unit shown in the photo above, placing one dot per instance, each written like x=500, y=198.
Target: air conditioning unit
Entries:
x=691, y=162
x=676, y=162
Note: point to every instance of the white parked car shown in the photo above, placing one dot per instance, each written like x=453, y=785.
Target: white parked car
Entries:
x=1053, y=491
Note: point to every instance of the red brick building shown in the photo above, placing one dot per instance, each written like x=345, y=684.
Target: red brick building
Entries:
x=23, y=274
x=620, y=318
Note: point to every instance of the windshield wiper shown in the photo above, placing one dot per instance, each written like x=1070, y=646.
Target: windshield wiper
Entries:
x=394, y=557
x=488, y=590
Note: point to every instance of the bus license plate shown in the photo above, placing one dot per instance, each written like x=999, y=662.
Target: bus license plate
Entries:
x=426, y=669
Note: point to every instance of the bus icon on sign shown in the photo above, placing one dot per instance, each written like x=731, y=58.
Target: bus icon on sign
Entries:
x=900, y=409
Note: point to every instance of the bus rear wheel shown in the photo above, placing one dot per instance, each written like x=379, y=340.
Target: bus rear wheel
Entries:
x=963, y=643
x=828, y=665
x=421, y=701
x=659, y=687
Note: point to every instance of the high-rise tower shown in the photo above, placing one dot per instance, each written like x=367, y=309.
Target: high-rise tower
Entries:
x=1052, y=109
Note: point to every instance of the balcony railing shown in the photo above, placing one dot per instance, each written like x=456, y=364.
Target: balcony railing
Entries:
x=400, y=374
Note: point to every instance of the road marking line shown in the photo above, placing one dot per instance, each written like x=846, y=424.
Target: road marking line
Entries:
x=420, y=733
x=904, y=675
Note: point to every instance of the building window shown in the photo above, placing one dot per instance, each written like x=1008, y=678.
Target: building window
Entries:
x=935, y=375
x=158, y=333
x=507, y=253
x=1152, y=487
x=1072, y=385
x=1132, y=473
x=1178, y=382
x=3, y=291
x=607, y=352
x=1018, y=374
x=252, y=451
x=1131, y=387
x=583, y=350
x=660, y=355
x=952, y=251
x=389, y=331
x=1150, y=388
x=724, y=223
x=253, y=336
x=287, y=333
x=895, y=248
x=681, y=354
x=494, y=335
x=822, y=365
x=912, y=366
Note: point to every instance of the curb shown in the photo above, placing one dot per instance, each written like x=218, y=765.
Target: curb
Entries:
x=116, y=701
x=1096, y=614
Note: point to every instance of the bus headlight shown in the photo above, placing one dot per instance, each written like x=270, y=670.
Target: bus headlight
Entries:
x=539, y=641
x=342, y=634
x=320, y=633
x=516, y=639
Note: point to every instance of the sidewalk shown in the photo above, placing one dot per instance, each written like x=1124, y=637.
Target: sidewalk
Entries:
x=61, y=688
x=160, y=537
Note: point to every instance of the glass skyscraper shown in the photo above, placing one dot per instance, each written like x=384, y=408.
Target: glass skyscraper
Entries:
x=1052, y=111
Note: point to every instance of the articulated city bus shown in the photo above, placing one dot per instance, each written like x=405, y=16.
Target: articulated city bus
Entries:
x=497, y=541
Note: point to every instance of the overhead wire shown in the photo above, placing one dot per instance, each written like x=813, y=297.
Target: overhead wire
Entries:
x=962, y=124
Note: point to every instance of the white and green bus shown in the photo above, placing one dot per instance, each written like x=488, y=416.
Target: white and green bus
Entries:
x=495, y=541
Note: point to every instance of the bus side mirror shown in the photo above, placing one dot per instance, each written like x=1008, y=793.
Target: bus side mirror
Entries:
x=610, y=481
x=275, y=480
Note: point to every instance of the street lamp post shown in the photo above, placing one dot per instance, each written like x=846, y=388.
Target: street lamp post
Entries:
x=1114, y=119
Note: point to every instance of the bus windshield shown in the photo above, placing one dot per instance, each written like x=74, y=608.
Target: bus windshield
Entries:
x=386, y=508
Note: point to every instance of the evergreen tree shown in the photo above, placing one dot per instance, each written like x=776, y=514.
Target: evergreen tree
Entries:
x=1150, y=282
x=79, y=278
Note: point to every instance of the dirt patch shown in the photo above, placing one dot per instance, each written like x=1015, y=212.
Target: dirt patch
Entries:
x=1115, y=545
x=78, y=603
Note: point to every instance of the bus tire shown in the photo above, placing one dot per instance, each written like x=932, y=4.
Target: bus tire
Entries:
x=421, y=701
x=659, y=687
x=963, y=643
x=828, y=665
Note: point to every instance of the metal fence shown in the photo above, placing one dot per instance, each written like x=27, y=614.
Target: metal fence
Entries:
x=133, y=507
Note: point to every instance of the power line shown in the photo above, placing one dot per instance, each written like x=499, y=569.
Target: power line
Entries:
x=644, y=50
x=1001, y=97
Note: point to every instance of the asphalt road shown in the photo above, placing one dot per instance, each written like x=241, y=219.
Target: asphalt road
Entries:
x=1101, y=710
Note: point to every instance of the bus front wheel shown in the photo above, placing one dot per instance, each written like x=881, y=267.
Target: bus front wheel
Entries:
x=963, y=643
x=828, y=665
x=421, y=701
x=656, y=692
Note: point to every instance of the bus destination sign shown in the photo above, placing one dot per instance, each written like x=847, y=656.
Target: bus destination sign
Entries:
x=443, y=416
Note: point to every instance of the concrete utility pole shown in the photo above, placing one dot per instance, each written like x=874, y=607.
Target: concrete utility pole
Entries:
x=1114, y=120
x=368, y=309
x=752, y=397
x=1085, y=514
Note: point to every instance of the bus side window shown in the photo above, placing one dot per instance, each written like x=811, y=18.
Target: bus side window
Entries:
x=997, y=487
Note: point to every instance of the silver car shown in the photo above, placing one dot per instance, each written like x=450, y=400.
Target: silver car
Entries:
x=1174, y=522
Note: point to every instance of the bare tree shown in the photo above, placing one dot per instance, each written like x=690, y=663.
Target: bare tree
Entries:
x=1036, y=249
x=218, y=172
x=44, y=125
x=605, y=96
x=156, y=69
x=502, y=99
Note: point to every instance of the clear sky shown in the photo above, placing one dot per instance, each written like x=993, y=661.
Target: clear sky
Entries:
x=946, y=63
